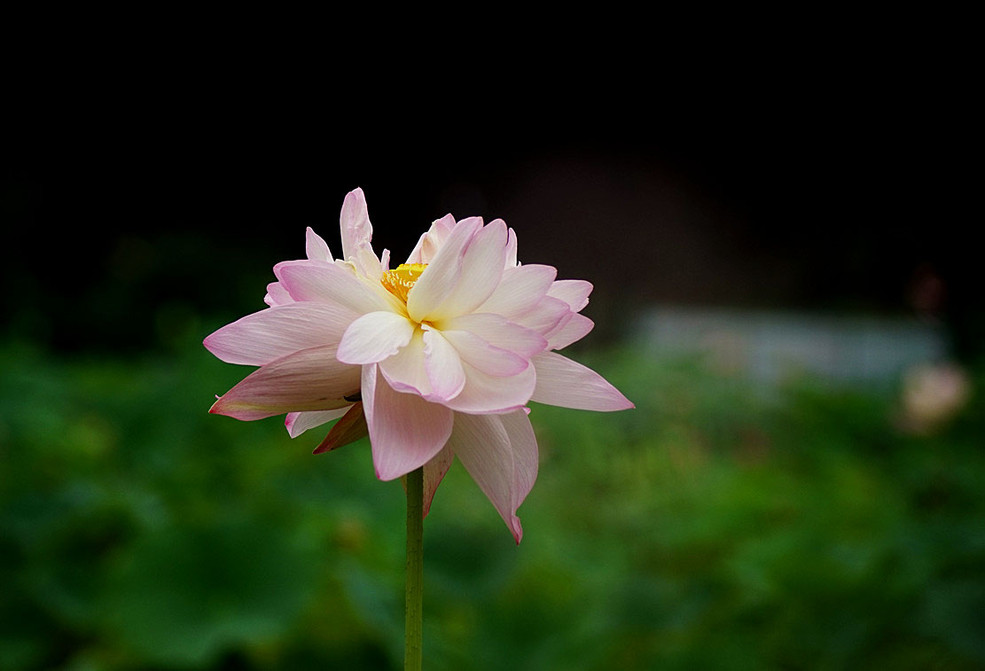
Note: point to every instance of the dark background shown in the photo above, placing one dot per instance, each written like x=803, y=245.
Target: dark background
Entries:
x=823, y=171
x=154, y=170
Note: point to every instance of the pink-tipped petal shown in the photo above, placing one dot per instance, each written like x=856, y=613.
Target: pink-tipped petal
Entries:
x=405, y=370
x=572, y=331
x=315, y=247
x=519, y=290
x=263, y=336
x=311, y=379
x=277, y=295
x=482, y=444
x=523, y=441
x=405, y=431
x=367, y=264
x=354, y=223
x=573, y=292
x=442, y=228
x=499, y=332
x=443, y=366
x=299, y=422
x=415, y=254
x=333, y=283
x=434, y=473
x=547, y=316
x=486, y=394
x=374, y=337
x=483, y=356
x=481, y=270
x=566, y=383
x=440, y=277
x=347, y=430
x=510, y=261
x=430, y=242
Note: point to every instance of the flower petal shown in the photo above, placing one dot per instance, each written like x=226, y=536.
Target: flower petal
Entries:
x=510, y=261
x=486, y=394
x=367, y=264
x=499, y=332
x=311, y=379
x=374, y=337
x=548, y=315
x=299, y=422
x=347, y=430
x=440, y=277
x=429, y=243
x=484, y=356
x=434, y=473
x=481, y=269
x=277, y=295
x=333, y=283
x=443, y=366
x=573, y=292
x=574, y=330
x=405, y=370
x=263, y=336
x=482, y=444
x=315, y=247
x=405, y=431
x=523, y=441
x=566, y=383
x=520, y=289
x=354, y=223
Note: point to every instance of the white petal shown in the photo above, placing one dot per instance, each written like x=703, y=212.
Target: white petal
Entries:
x=333, y=283
x=367, y=264
x=316, y=247
x=481, y=270
x=510, y=261
x=277, y=295
x=489, y=359
x=520, y=289
x=573, y=292
x=525, y=453
x=415, y=254
x=374, y=337
x=430, y=242
x=547, y=316
x=439, y=278
x=405, y=371
x=354, y=223
x=311, y=379
x=486, y=394
x=443, y=365
x=566, y=383
x=405, y=431
x=299, y=422
x=482, y=444
x=270, y=334
x=574, y=330
x=499, y=332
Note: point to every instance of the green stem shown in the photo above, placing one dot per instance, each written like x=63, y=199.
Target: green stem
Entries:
x=415, y=570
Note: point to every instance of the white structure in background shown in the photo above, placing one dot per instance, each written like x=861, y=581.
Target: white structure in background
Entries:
x=771, y=346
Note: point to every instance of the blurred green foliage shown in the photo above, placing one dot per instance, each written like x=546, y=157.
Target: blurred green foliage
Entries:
x=718, y=526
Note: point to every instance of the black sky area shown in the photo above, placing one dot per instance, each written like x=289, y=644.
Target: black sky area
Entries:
x=124, y=196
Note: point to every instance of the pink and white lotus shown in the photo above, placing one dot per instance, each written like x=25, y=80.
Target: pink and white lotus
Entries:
x=435, y=359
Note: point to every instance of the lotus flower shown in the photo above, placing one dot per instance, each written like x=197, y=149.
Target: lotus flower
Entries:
x=434, y=359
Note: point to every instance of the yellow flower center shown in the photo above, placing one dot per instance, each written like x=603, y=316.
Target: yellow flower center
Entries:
x=399, y=280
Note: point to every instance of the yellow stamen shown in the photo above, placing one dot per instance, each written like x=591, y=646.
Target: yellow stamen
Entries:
x=400, y=280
